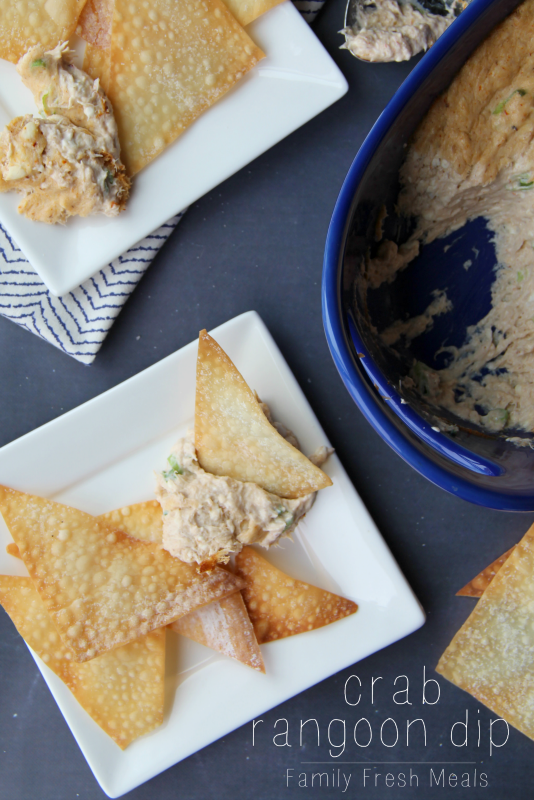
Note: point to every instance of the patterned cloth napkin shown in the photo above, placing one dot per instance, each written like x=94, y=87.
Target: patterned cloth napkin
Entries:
x=78, y=322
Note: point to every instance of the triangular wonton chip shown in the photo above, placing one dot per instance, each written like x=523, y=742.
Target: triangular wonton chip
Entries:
x=479, y=584
x=492, y=655
x=101, y=587
x=281, y=606
x=123, y=690
x=233, y=436
x=223, y=625
x=167, y=69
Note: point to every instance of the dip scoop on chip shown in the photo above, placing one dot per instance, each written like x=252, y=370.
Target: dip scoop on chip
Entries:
x=238, y=481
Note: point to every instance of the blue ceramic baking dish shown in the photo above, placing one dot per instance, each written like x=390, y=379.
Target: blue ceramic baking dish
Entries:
x=469, y=463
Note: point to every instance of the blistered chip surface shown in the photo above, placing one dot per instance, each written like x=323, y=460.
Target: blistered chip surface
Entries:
x=492, y=655
x=141, y=520
x=233, y=436
x=169, y=63
x=25, y=23
x=123, y=690
x=281, y=606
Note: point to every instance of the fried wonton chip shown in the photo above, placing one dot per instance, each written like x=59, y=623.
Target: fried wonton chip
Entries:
x=142, y=521
x=96, y=62
x=492, y=655
x=94, y=25
x=246, y=11
x=224, y=626
x=233, y=436
x=479, y=584
x=101, y=587
x=168, y=65
x=123, y=690
x=281, y=606
x=25, y=23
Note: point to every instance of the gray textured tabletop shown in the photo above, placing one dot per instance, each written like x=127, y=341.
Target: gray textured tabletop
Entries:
x=256, y=242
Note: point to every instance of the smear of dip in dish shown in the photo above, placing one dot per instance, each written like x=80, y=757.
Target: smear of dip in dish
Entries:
x=66, y=162
x=473, y=156
x=385, y=30
x=205, y=515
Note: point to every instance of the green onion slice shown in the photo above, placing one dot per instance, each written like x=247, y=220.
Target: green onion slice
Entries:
x=500, y=107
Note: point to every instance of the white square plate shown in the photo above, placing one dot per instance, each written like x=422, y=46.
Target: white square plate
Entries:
x=101, y=456
x=295, y=82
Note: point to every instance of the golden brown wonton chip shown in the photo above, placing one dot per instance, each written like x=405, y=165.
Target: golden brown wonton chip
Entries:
x=281, y=606
x=233, y=436
x=169, y=64
x=142, y=520
x=25, y=23
x=492, y=655
x=224, y=626
x=246, y=11
x=123, y=690
x=101, y=587
x=479, y=584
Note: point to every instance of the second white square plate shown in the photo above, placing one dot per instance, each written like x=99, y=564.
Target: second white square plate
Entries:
x=101, y=456
x=295, y=82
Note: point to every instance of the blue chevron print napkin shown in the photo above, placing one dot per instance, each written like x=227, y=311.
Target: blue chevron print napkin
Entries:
x=78, y=322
